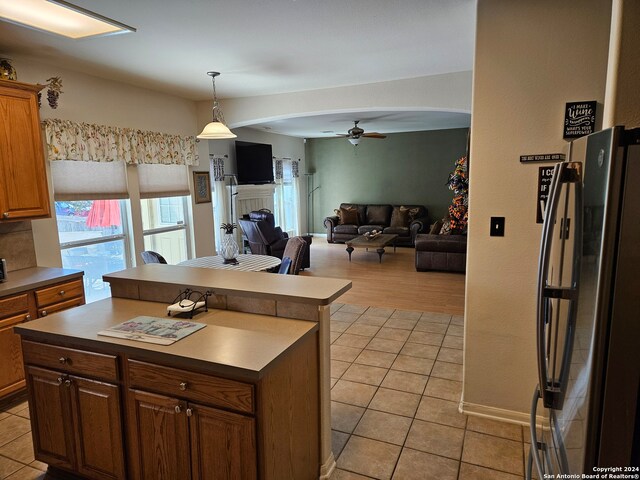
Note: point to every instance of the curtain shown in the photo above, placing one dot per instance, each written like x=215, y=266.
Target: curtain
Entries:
x=159, y=181
x=286, y=203
x=88, y=180
x=67, y=140
x=220, y=200
x=295, y=182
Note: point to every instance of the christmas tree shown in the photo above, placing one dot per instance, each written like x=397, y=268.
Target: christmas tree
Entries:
x=459, y=183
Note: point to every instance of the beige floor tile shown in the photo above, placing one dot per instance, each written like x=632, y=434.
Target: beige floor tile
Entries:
x=443, y=388
x=20, y=449
x=343, y=316
x=405, y=381
x=335, y=307
x=376, y=359
x=369, y=457
x=407, y=314
x=333, y=336
x=344, y=418
x=351, y=340
x=415, y=465
x=393, y=334
x=371, y=320
x=338, y=441
x=8, y=466
x=426, y=338
x=437, y=410
x=511, y=431
x=338, y=367
x=344, y=353
x=410, y=364
x=455, y=330
x=435, y=317
x=420, y=350
x=450, y=371
x=28, y=473
x=382, y=345
x=457, y=320
x=424, y=326
x=451, y=341
x=359, y=309
x=451, y=355
x=4, y=415
x=526, y=451
x=339, y=327
x=12, y=427
x=339, y=474
x=353, y=393
x=493, y=452
x=16, y=406
x=362, y=329
x=395, y=401
x=382, y=426
x=435, y=438
x=39, y=465
x=365, y=374
x=474, y=472
x=333, y=381
x=379, y=312
x=401, y=323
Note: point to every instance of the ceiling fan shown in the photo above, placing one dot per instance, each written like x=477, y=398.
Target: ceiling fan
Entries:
x=355, y=133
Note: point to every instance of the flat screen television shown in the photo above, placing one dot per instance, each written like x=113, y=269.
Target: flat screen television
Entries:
x=254, y=162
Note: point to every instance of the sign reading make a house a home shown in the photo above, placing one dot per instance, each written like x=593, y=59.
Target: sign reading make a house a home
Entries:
x=579, y=119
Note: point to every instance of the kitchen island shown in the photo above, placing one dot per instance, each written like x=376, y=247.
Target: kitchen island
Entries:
x=245, y=397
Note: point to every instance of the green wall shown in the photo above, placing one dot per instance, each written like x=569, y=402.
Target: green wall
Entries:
x=404, y=168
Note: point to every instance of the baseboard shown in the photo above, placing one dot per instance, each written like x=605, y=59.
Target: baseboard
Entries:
x=500, y=414
x=328, y=467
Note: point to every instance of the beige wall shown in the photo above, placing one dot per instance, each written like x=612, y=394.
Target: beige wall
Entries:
x=531, y=58
x=90, y=99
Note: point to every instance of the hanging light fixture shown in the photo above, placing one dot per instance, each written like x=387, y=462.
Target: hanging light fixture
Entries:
x=354, y=140
x=216, y=130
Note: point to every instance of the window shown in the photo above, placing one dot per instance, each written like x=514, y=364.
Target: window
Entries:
x=286, y=202
x=93, y=237
x=164, y=227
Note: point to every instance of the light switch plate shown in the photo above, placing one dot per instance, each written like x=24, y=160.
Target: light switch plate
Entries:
x=497, y=227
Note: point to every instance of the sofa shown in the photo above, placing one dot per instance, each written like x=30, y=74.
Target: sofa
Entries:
x=441, y=252
x=353, y=219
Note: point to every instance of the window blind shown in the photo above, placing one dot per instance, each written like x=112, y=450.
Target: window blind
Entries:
x=158, y=180
x=73, y=180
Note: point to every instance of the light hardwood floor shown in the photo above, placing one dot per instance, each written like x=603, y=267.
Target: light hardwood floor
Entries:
x=392, y=283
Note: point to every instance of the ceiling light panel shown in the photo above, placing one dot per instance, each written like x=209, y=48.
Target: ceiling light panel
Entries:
x=59, y=17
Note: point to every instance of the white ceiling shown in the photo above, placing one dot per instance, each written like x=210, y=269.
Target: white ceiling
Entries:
x=266, y=47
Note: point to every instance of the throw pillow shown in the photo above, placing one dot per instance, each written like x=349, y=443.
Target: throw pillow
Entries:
x=348, y=216
x=436, y=227
x=446, y=228
x=337, y=212
x=413, y=213
x=400, y=217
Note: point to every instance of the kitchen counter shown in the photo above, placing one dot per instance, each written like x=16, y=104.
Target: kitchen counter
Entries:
x=30, y=278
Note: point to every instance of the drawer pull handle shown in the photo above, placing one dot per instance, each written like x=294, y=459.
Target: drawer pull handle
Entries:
x=189, y=412
x=43, y=313
x=67, y=383
x=178, y=409
x=5, y=215
x=183, y=386
x=61, y=293
x=60, y=380
x=63, y=360
x=27, y=317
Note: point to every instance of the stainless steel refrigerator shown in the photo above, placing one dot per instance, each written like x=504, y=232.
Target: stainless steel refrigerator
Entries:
x=584, y=412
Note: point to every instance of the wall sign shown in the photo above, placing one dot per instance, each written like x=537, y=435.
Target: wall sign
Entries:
x=543, y=157
x=579, y=119
x=544, y=182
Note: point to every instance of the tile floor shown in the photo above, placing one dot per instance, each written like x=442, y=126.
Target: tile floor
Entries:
x=396, y=379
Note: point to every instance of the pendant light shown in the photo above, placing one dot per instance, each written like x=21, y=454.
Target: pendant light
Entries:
x=216, y=130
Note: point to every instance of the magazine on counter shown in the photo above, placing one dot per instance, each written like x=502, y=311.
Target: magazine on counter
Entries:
x=161, y=331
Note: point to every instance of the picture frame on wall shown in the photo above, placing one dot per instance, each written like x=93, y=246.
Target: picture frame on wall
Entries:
x=201, y=187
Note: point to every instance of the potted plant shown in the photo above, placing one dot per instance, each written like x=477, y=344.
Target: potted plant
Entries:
x=229, y=249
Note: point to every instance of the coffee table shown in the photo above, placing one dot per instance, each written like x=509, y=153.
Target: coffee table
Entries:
x=378, y=243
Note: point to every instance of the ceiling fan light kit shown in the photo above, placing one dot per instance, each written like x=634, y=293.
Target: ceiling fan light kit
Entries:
x=355, y=133
x=216, y=130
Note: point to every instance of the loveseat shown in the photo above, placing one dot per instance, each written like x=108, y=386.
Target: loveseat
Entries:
x=353, y=219
x=441, y=252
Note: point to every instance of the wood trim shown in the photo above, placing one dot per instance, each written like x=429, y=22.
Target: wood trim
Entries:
x=15, y=85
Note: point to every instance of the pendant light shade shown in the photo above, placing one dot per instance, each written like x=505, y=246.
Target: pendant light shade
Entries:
x=216, y=130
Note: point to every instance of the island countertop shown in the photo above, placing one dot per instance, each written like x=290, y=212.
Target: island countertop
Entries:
x=232, y=343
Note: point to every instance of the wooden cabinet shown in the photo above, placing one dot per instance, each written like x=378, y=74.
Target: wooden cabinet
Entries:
x=23, y=181
x=175, y=438
x=59, y=297
x=77, y=421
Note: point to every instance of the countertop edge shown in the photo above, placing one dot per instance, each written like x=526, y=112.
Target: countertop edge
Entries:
x=54, y=275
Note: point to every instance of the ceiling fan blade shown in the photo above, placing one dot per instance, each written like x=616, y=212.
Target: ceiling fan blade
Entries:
x=374, y=135
x=342, y=135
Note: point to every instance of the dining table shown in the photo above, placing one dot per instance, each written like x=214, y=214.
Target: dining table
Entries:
x=245, y=263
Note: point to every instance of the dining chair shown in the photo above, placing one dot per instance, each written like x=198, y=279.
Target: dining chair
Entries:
x=295, y=249
x=149, y=256
x=284, y=266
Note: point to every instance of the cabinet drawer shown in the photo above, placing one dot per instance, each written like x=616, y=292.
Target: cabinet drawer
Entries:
x=57, y=307
x=59, y=293
x=70, y=360
x=14, y=305
x=215, y=391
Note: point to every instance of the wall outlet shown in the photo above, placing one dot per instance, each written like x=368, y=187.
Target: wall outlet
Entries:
x=497, y=227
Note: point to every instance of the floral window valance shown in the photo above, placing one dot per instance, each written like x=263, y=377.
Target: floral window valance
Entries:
x=67, y=140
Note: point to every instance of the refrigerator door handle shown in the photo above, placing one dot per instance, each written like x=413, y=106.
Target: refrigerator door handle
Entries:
x=534, y=451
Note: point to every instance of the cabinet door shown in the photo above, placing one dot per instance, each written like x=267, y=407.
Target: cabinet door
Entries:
x=23, y=182
x=223, y=444
x=98, y=428
x=11, y=370
x=160, y=433
x=50, y=410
